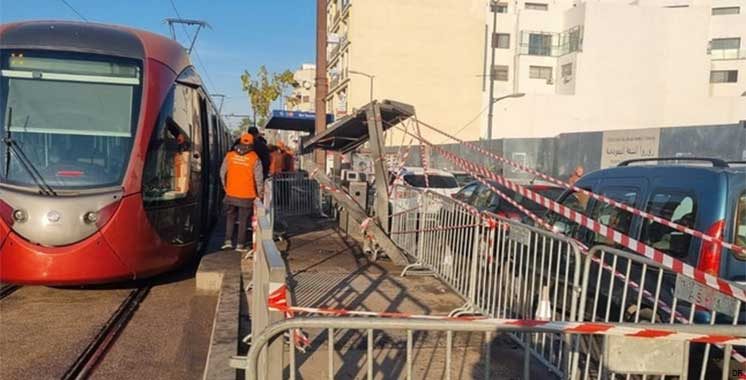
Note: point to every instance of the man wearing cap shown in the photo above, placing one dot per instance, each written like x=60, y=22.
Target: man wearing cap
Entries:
x=242, y=177
x=262, y=150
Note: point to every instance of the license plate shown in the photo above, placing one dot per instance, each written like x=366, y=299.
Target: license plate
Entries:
x=702, y=295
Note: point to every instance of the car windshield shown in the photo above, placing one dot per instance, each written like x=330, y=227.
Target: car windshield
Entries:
x=72, y=116
x=434, y=181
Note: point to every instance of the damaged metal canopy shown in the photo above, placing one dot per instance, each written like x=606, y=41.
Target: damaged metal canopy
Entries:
x=351, y=131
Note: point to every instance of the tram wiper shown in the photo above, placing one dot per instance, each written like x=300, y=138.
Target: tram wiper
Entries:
x=12, y=146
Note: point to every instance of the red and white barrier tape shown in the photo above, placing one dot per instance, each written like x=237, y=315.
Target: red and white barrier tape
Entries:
x=423, y=154
x=639, y=247
x=278, y=300
x=599, y=197
x=276, y=303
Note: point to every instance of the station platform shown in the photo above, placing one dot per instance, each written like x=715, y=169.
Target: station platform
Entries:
x=326, y=269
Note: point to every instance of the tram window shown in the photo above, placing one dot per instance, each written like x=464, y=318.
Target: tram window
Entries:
x=76, y=131
x=166, y=176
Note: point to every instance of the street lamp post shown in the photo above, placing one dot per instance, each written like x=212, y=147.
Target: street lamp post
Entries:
x=371, y=77
x=492, y=104
x=493, y=8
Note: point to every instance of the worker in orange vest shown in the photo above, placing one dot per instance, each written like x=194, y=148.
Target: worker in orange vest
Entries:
x=242, y=177
x=276, y=158
x=289, y=160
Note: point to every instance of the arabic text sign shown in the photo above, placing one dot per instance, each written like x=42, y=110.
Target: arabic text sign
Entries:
x=627, y=144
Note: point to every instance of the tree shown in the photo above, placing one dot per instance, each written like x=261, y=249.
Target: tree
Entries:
x=264, y=88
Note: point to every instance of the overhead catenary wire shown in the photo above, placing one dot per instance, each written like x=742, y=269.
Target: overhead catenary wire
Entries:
x=196, y=53
x=74, y=10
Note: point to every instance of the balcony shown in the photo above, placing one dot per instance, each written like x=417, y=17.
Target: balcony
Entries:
x=726, y=54
x=331, y=54
x=549, y=44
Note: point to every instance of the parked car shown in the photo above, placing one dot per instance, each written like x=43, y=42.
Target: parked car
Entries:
x=439, y=181
x=463, y=178
x=710, y=198
x=484, y=199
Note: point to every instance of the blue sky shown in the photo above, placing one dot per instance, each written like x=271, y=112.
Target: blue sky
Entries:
x=245, y=33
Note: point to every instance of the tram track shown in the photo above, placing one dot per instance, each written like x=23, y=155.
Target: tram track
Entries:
x=8, y=289
x=96, y=350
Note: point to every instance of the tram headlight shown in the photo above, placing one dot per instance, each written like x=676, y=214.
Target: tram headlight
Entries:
x=20, y=216
x=90, y=217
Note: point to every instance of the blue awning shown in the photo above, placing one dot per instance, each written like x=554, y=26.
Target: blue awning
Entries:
x=294, y=121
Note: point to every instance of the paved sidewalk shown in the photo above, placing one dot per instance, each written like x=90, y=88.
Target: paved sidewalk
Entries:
x=328, y=270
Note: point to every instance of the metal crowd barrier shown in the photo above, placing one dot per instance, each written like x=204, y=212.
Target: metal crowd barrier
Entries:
x=501, y=268
x=294, y=194
x=620, y=286
x=504, y=269
x=268, y=275
x=405, y=334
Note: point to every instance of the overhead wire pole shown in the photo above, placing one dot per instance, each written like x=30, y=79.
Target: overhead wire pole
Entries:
x=222, y=100
x=321, y=82
x=183, y=21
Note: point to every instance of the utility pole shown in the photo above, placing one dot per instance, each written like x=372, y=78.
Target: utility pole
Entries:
x=222, y=99
x=493, y=41
x=321, y=83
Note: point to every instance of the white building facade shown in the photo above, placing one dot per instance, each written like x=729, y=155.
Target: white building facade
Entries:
x=610, y=65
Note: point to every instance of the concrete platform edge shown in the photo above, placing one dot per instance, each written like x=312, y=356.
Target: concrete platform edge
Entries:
x=220, y=272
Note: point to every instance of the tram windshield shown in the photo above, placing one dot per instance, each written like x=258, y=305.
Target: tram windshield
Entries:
x=68, y=120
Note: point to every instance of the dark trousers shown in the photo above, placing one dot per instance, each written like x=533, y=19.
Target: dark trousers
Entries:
x=244, y=216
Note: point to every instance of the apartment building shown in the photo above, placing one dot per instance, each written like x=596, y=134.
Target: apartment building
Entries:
x=605, y=65
x=582, y=65
x=303, y=94
x=426, y=53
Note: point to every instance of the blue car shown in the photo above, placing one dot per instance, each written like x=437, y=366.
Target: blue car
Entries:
x=710, y=198
x=708, y=195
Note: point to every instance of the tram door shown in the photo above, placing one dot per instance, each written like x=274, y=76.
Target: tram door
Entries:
x=205, y=178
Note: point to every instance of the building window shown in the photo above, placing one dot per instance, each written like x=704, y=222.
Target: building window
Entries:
x=567, y=72
x=725, y=48
x=499, y=7
x=724, y=76
x=537, y=6
x=725, y=43
x=540, y=44
x=721, y=11
x=540, y=72
x=501, y=40
x=500, y=72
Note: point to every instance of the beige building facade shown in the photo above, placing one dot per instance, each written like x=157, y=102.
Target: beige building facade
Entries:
x=583, y=66
x=304, y=94
x=426, y=53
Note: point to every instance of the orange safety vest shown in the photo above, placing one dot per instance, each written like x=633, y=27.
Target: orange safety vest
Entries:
x=276, y=162
x=289, y=162
x=239, y=179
